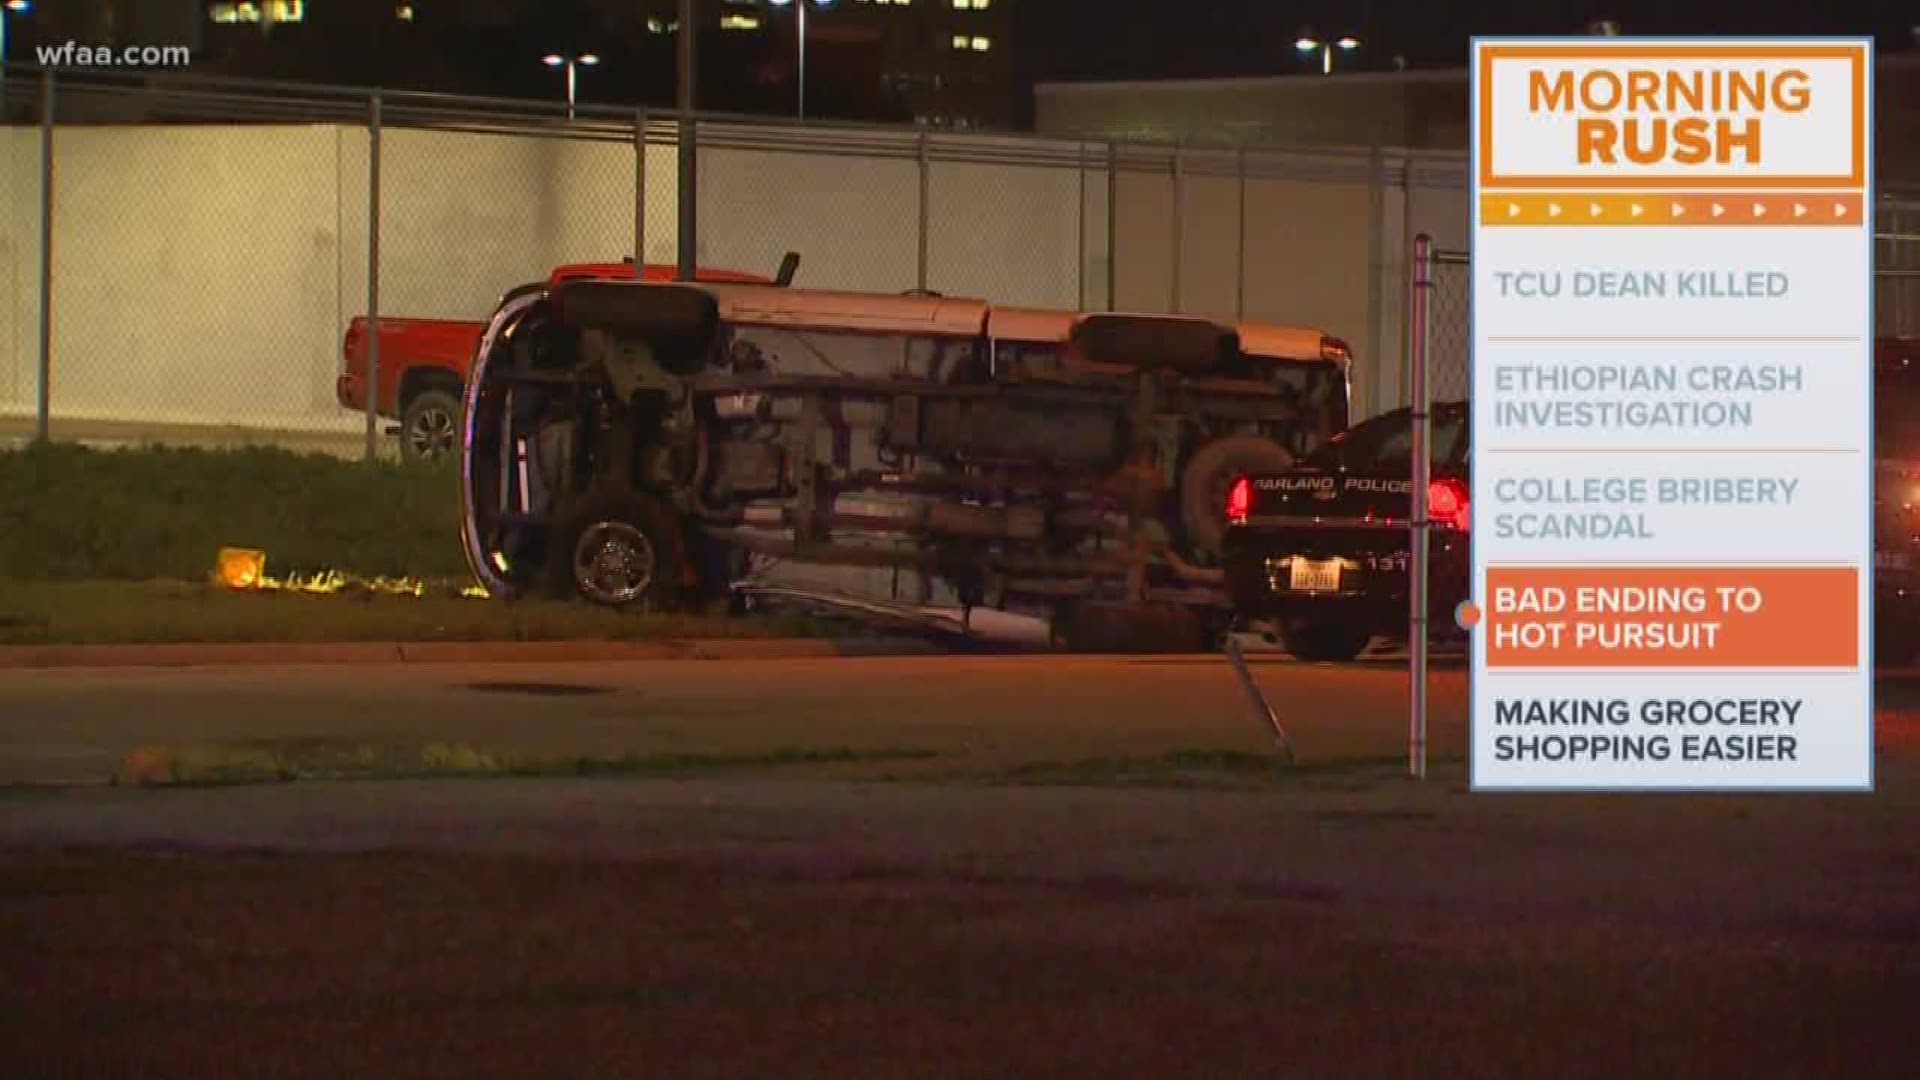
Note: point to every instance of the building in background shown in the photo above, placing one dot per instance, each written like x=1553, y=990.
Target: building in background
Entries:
x=1420, y=110
x=113, y=22
x=950, y=62
x=1414, y=109
x=937, y=63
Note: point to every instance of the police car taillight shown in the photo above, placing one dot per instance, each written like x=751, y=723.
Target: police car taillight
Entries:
x=1447, y=504
x=1239, y=500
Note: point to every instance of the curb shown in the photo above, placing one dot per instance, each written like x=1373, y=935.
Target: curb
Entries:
x=251, y=654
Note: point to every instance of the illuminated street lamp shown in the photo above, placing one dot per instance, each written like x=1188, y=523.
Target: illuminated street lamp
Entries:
x=800, y=11
x=1311, y=45
x=11, y=7
x=571, y=63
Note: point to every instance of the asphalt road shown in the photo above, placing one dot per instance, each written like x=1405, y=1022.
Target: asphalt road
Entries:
x=75, y=726
x=1337, y=920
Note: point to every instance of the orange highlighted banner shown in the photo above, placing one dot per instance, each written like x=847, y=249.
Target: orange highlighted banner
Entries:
x=1728, y=617
x=1593, y=209
x=1635, y=84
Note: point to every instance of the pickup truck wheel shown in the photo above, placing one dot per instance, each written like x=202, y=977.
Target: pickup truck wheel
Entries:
x=430, y=426
x=1204, y=484
x=620, y=552
x=1314, y=640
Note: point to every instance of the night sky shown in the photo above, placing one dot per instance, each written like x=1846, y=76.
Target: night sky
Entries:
x=1142, y=39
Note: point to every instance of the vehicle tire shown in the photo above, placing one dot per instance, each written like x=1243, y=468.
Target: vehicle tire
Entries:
x=430, y=426
x=621, y=552
x=1208, y=475
x=1330, y=641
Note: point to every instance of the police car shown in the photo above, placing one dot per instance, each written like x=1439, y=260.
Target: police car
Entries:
x=1322, y=551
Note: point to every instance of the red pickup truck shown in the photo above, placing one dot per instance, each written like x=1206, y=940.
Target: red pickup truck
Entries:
x=424, y=362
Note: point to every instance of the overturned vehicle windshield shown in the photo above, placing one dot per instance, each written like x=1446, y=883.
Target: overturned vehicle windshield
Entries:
x=909, y=457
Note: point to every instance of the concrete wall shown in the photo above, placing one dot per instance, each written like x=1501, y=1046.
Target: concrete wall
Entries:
x=203, y=275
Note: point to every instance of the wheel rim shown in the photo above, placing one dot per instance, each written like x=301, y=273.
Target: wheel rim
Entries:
x=613, y=563
x=432, y=433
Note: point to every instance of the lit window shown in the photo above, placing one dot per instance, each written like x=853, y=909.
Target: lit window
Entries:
x=971, y=5
x=981, y=44
x=739, y=22
x=246, y=11
x=403, y=12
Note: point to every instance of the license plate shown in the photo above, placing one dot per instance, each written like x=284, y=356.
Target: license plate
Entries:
x=1315, y=575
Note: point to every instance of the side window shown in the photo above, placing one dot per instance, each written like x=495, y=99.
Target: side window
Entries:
x=1455, y=442
x=1386, y=442
x=1394, y=447
x=1371, y=444
x=1027, y=359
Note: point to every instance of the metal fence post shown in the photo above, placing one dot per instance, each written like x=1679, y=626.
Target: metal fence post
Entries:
x=640, y=189
x=1179, y=232
x=689, y=194
x=1407, y=230
x=1113, y=226
x=1080, y=228
x=43, y=405
x=926, y=207
x=1240, y=254
x=373, y=278
x=1376, y=278
x=1420, y=316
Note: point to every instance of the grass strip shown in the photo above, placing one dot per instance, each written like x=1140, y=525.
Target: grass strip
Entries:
x=73, y=512
x=288, y=761
x=148, y=613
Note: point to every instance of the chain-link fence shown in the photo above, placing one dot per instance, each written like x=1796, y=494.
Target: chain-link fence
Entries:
x=188, y=260
x=1450, y=337
x=216, y=245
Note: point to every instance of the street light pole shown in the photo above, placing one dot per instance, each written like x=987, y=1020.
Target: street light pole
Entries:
x=8, y=7
x=1310, y=45
x=801, y=33
x=571, y=63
